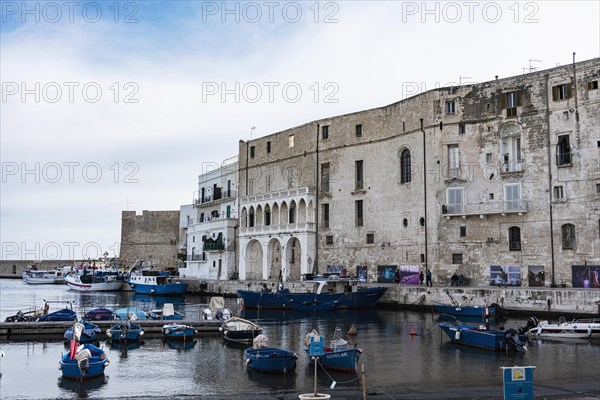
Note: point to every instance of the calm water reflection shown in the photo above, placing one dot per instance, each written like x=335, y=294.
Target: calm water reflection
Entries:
x=208, y=365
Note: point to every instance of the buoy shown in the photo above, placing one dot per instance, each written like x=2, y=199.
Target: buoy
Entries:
x=352, y=330
x=412, y=332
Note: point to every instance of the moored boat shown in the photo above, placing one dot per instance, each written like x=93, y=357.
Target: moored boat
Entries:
x=100, y=314
x=145, y=280
x=131, y=313
x=66, y=314
x=482, y=337
x=178, y=331
x=167, y=312
x=329, y=293
x=469, y=311
x=237, y=329
x=38, y=276
x=125, y=332
x=577, y=329
x=89, y=332
x=216, y=310
x=336, y=356
x=97, y=282
x=89, y=361
x=269, y=359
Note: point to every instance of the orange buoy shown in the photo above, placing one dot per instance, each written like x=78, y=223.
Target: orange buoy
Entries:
x=412, y=332
x=352, y=330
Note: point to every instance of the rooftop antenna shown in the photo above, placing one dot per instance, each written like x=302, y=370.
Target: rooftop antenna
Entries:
x=460, y=78
x=531, y=67
x=252, y=131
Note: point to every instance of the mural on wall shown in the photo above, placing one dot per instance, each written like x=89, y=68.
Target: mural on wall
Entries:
x=361, y=272
x=386, y=273
x=586, y=276
x=409, y=275
x=505, y=275
x=336, y=270
x=535, y=275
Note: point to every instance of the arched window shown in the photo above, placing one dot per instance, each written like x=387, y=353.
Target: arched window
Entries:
x=405, y=165
x=514, y=238
x=568, y=236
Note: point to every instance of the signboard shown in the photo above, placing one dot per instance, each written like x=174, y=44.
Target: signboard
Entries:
x=316, y=346
x=518, y=383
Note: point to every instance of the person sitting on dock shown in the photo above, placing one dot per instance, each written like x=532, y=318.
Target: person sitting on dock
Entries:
x=454, y=280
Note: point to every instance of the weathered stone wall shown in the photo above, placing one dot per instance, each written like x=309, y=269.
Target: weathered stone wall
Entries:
x=152, y=236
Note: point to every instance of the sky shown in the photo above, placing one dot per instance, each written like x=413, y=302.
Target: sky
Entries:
x=112, y=106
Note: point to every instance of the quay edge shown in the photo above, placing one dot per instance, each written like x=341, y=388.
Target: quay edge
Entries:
x=524, y=301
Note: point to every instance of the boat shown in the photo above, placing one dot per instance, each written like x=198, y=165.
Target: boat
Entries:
x=37, y=276
x=336, y=356
x=575, y=329
x=269, y=359
x=131, y=313
x=100, y=314
x=460, y=310
x=485, y=338
x=178, y=331
x=329, y=293
x=26, y=316
x=216, y=310
x=89, y=332
x=145, y=280
x=237, y=329
x=88, y=361
x=167, y=312
x=66, y=314
x=100, y=281
x=125, y=332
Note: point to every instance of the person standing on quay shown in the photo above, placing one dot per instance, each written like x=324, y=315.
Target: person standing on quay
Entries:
x=429, y=281
x=421, y=278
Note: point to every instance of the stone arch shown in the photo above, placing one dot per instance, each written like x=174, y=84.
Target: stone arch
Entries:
x=293, y=212
x=244, y=217
x=275, y=217
x=274, y=258
x=293, y=252
x=253, y=259
x=251, y=217
x=268, y=217
x=301, y=211
x=310, y=212
x=259, y=216
x=283, y=214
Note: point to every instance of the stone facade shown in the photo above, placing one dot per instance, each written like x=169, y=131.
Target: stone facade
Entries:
x=466, y=179
x=152, y=236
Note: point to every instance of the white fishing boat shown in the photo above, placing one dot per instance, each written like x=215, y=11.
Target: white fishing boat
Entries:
x=38, y=276
x=577, y=328
x=98, y=282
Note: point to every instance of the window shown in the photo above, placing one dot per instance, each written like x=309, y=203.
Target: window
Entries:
x=592, y=85
x=491, y=196
x=370, y=238
x=562, y=92
x=563, y=151
x=510, y=148
x=405, y=166
x=325, y=215
x=510, y=101
x=457, y=258
x=455, y=200
x=463, y=231
x=462, y=129
x=512, y=197
x=453, y=160
x=329, y=240
x=598, y=188
x=559, y=193
x=251, y=218
x=514, y=238
x=251, y=151
x=267, y=215
x=268, y=181
x=488, y=157
x=325, y=167
x=568, y=236
x=358, y=213
x=450, y=107
x=403, y=126
x=291, y=141
x=325, y=132
x=358, y=130
x=292, y=216
x=269, y=147
x=359, y=174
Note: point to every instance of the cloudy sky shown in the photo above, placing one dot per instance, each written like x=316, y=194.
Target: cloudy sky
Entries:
x=111, y=106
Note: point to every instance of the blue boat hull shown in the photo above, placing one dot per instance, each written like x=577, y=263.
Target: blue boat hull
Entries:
x=466, y=311
x=340, y=359
x=61, y=315
x=88, y=334
x=96, y=365
x=179, y=332
x=365, y=298
x=121, y=333
x=490, y=339
x=167, y=289
x=270, y=359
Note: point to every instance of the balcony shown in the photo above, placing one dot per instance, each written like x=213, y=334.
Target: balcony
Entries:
x=275, y=229
x=507, y=168
x=214, y=246
x=290, y=193
x=518, y=206
x=218, y=196
x=195, y=257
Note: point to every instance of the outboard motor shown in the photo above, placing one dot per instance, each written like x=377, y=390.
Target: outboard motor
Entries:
x=513, y=341
x=532, y=322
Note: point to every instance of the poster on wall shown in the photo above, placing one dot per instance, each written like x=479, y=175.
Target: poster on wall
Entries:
x=586, y=276
x=535, y=275
x=386, y=273
x=505, y=275
x=361, y=272
x=409, y=274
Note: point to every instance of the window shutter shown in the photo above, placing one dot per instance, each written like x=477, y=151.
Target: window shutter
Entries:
x=519, y=98
x=569, y=91
x=554, y=93
x=503, y=100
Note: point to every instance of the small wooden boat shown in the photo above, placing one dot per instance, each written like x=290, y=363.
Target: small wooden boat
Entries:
x=88, y=334
x=336, y=356
x=577, y=328
x=167, y=312
x=269, y=359
x=89, y=361
x=100, y=314
x=178, y=331
x=482, y=337
x=237, y=329
x=125, y=332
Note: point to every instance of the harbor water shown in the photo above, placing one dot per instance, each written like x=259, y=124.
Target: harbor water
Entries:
x=209, y=366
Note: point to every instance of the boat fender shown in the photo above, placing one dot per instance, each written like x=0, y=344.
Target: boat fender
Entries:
x=457, y=334
x=589, y=331
x=248, y=361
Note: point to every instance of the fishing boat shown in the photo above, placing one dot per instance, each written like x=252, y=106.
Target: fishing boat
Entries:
x=336, y=356
x=328, y=293
x=37, y=276
x=89, y=332
x=216, y=310
x=485, y=338
x=237, y=329
x=100, y=281
x=269, y=359
x=576, y=329
x=125, y=332
x=145, y=279
x=178, y=331
x=100, y=314
x=167, y=312
x=88, y=361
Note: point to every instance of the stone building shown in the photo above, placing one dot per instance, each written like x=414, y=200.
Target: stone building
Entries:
x=211, y=226
x=472, y=179
x=152, y=236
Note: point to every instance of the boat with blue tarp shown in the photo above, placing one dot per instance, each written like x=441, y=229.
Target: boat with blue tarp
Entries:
x=86, y=362
x=484, y=337
x=89, y=333
x=100, y=314
x=337, y=356
x=131, y=313
x=66, y=314
x=125, y=332
x=269, y=359
x=178, y=331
